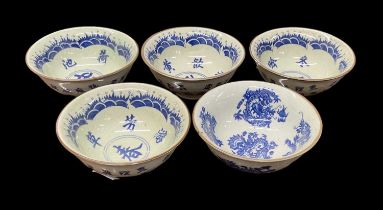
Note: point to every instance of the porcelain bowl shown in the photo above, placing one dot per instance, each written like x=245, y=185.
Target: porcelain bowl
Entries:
x=75, y=60
x=123, y=129
x=305, y=60
x=256, y=127
x=189, y=61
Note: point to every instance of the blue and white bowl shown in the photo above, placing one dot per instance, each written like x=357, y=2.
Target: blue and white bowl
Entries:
x=256, y=127
x=123, y=129
x=189, y=61
x=305, y=60
x=75, y=60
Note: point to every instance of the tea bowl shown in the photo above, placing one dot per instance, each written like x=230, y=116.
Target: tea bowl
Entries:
x=189, y=61
x=74, y=60
x=256, y=127
x=305, y=60
x=124, y=129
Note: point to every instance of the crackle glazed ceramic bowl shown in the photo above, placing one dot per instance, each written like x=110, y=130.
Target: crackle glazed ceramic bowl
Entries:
x=256, y=127
x=75, y=60
x=305, y=60
x=189, y=61
x=123, y=129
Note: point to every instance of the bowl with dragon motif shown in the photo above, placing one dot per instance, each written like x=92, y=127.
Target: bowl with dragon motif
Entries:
x=74, y=60
x=189, y=61
x=305, y=60
x=256, y=127
x=125, y=129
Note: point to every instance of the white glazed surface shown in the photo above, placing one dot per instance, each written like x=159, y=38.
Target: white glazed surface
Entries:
x=86, y=61
x=198, y=61
x=256, y=124
x=74, y=60
x=191, y=60
x=123, y=125
x=305, y=88
x=307, y=57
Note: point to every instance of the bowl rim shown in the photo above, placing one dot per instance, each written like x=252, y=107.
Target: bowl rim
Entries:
x=273, y=160
x=109, y=163
x=347, y=47
x=115, y=71
x=231, y=69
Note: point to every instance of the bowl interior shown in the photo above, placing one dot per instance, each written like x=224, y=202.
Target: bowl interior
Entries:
x=192, y=52
x=123, y=123
x=256, y=120
x=81, y=53
x=302, y=53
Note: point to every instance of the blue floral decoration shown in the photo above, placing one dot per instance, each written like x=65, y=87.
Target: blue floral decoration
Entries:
x=263, y=47
x=297, y=39
x=200, y=38
x=303, y=135
x=328, y=46
x=167, y=41
x=74, y=123
x=196, y=38
x=259, y=107
x=208, y=124
x=252, y=145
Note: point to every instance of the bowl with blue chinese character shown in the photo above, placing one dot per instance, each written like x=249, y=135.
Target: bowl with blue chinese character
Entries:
x=305, y=60
x=75, y=60
x=189, y=61
x=125, y=129
x=256, y=127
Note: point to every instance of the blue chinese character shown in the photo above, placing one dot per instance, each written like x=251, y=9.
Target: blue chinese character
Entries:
x=68, y=63
x=160, y=135
x=106, y=172
x=130, y=122
x=272, y=63
x=124, y=173
x=302, y=61
x=197, y=63
x=92, y=139
x=168, y=66
x=127, y=152
x=102, y=57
